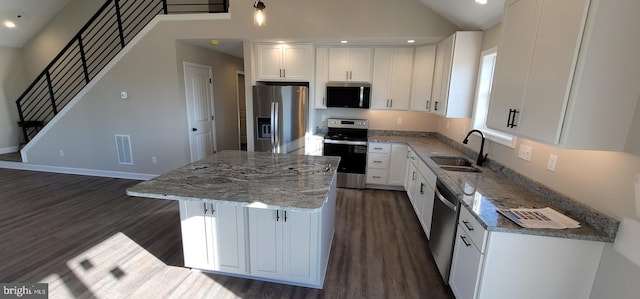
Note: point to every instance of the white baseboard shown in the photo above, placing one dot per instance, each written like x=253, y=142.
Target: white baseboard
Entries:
x=78, y=171
x=8, y=150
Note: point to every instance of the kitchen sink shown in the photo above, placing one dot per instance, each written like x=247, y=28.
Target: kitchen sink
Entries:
x=458, y=164
x=460, y=168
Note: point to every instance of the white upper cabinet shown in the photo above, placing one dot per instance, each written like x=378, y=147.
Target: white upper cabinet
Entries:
x=567, y=73
x=322, y=77
x=350, y=64
x=284, y=62
x=423, y=65
x=391, y=84
x=455, y=72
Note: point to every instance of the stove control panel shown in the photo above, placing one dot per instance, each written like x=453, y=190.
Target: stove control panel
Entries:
x=347, y=123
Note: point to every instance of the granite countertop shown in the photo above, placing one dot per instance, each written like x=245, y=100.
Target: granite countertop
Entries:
x=253, y=179
x=485, y=192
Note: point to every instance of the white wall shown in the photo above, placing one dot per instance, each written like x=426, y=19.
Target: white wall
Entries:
x=599, y=179
x=11, y=85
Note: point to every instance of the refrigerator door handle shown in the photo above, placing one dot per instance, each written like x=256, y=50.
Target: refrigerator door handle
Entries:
x=361, y=96
x=276, y=131
x=273, y=127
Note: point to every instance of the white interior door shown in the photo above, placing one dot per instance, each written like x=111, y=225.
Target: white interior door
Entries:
x=199, y=92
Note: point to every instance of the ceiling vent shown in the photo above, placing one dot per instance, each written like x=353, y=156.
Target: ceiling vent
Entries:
x=123, y=147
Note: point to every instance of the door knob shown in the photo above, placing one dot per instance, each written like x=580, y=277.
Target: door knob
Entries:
x=194, y=129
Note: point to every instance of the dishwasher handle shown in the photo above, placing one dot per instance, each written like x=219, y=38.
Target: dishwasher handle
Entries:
x=445, y=201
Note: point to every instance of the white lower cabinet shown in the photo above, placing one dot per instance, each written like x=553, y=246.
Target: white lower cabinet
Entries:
x=496, y=265
x=213, y=236
x=284, y=245
x=386, y=164
x=420, y=184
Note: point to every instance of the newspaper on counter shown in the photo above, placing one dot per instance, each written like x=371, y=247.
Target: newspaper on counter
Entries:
x=539, y=218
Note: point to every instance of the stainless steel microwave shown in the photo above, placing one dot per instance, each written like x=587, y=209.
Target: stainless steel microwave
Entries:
x=348, y=94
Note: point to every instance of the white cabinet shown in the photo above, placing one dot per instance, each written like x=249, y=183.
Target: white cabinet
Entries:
x=322, y=77
x=350, y=64
x=421, y=87
x=420, y=184
x=284, y=245
x=386, y=164
x=454, y=77
x=567, y=73
x=391, y=82
x=284, y=62
x=484, y=262
x=213, y=236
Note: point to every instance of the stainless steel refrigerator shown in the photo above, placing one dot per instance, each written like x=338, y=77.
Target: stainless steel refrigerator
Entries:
x=280, y=118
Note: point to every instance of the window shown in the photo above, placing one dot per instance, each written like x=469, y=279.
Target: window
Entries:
x=483, y=95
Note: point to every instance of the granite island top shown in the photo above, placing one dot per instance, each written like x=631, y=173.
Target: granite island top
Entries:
x=253, y=179
x=485, y=192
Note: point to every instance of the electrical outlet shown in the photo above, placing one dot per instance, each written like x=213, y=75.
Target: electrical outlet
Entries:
x=61, y=153
x=154, y=160
x=400, y=120
x=551, y=165
x=524, y=152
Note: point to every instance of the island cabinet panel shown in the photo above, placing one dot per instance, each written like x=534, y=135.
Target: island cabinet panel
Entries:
x=213, y=236
x=284, y=245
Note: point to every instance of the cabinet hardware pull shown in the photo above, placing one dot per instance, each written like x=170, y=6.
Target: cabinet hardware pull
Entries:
x=277, y=215
x=466, y=223
x=377, y=161
x=347, y=75
x=413, y=176
x=377, y=148
x=284, y=73
x=376, y=177
x=511, y=120
x=285, y=216
x=427, y=106
x=205, y=208
x=391, y=106
x=435, y=106
x=464, y=240
x=350, y=75
x=421, y=188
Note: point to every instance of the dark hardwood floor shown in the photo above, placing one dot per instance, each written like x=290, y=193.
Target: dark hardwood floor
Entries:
x=87, y=239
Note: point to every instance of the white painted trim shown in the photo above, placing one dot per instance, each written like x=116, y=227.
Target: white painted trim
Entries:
x=8, y=150
x=111, y=64
x=78, y=171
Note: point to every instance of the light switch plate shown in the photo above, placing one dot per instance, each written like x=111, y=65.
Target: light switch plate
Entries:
x=551, y=164
x=524, y=152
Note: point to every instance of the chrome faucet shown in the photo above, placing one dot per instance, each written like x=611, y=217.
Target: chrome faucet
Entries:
x=481, y=158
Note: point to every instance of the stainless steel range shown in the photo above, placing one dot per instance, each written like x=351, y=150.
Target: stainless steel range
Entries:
x=347, y=138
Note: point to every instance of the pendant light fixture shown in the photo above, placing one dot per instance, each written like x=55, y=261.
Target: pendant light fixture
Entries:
x=259, y=18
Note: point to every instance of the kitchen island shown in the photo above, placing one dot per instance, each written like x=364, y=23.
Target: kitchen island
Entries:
x=256, y=215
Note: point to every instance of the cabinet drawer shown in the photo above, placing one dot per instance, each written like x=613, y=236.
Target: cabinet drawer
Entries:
x=375, y=147
x=380, y=161
x=377, y=176
x=473, y=228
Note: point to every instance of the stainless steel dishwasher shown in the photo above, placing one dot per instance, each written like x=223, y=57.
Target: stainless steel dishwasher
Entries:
x=443, y=228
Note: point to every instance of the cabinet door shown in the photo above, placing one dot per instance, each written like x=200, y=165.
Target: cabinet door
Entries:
x=557, y=44
x=230, y=239
x=397, y=164
x=360, y=64
x=465, y=267
x=265, y=235
x=519, y=26
x=197, y=241
x=338, y=64
x=380, y=82
x=269, y=62
x=300, y=246
x=400, y=78
x=296, y=61
x=427, y=197
x=445, y=49
x=423, y=70
x=322, y=77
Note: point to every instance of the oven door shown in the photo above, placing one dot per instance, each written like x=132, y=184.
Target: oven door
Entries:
x=353, y=154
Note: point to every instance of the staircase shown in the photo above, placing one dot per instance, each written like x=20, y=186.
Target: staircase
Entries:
x=110, y=29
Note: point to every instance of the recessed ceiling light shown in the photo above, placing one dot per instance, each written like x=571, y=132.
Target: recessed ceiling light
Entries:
x=344, y=41
x=281, y=42
x=411, y=41
x=481, y=1
x=9, y=24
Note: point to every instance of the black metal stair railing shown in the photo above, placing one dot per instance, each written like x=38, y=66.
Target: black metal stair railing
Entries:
x=110, y=29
